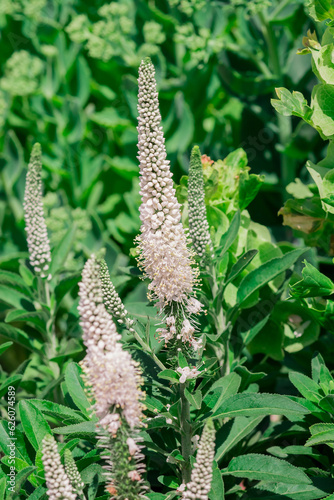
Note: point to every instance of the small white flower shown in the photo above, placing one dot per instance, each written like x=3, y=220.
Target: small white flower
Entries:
x=181, y=488
x=187, y=330
x=194, y=306
x=300, y=330
x=196, y=344
x=187, y=373
x=133, y=447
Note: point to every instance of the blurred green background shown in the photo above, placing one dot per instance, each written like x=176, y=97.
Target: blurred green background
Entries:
x=68, y=79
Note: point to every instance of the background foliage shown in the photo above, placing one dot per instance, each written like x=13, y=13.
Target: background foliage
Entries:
x=68, y=75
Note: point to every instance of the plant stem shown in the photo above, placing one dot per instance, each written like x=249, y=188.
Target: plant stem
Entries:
x=186, y=431
x=147, y=349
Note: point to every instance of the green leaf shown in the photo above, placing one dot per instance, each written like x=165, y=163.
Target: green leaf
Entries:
x=327, y=403
x=20, y=448
x=66, y=286
x=14, y=280
x=75, y=387
x=27, y=275
x=222, y=389
x=232, y=432
x=169, y=375
x=37, y=318
x=321, y=435
x=217, y=491
x=290, y=491
x=266, y=272
x=58, y=411
x=266, y=468
x=61, y=251
x=5, y=346
x=13, y=380
x=313, y=284
x=323, y=108
x=289, y=104
x=320, y=10
x=228, y=238
x=38, y=493
x=324, y=181
x=169, y=481
x=20, y=337
x=34, y=424
x=20, y=479
x=240, y=265
x=15, y=298
x=2, y=488
x=306, y=386
x=195, y=399
x=84, y=430
x=249, y=335
x=253, y=405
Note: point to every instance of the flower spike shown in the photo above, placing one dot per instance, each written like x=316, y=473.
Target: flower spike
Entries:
x=163, y=244
x=57, y=481
x=73, y=473
x=201, y=476
x=37, y=234
x=113, y=380
x=112, y=300
x=198, y=223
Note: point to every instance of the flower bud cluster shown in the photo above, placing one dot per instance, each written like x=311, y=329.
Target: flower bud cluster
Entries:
x=73, y=473
x=113, y=376
x=114, y=380
x=198, y=223
x=57, y=481
x=37, y=235
x=201, y=476
x=112, y=300
x=165, y=256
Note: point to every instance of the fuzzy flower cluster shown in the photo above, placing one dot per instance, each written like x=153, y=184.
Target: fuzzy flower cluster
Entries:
x=72, y=473
x=201, y=476
x=57, y=481
x=22, y=74
x=111, y=299
x=37, y=235
x=111, y=373
x=198, y=223
x=163, y=243
x=186, y=330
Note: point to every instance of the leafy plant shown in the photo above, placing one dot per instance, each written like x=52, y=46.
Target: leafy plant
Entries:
x=311, y=210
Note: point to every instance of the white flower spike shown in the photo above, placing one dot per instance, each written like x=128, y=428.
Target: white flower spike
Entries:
x=57, y=481
x=165, y=256
x=37, y=234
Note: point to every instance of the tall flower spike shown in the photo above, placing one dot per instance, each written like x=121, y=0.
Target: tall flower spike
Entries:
x=163, y=243
x=113, y=380
x=37, y=235
x=97, y=325
x=57, y=481
x=111, y=299
x=73, y=474
x=198, y=223
x=201, y=476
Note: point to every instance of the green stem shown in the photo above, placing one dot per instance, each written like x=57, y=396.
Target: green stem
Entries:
x=186, y=432
x=147, y=348
x=220, y=324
